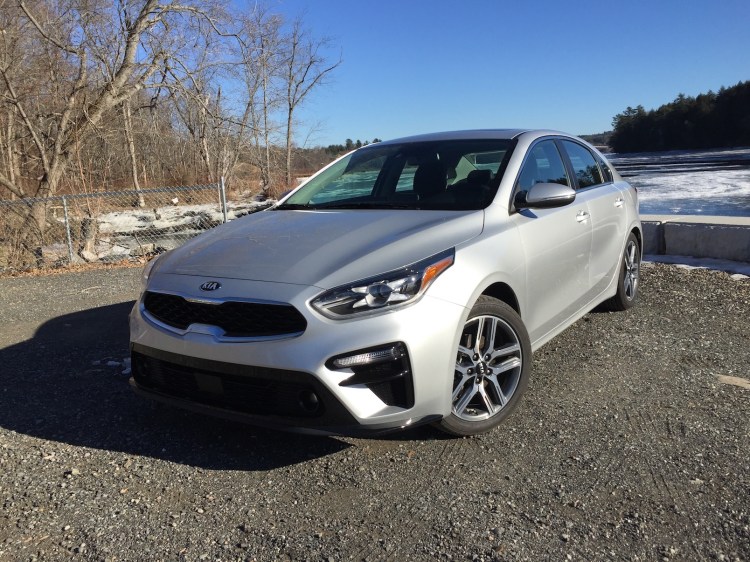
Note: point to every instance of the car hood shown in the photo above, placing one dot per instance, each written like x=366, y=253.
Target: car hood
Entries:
x=320, y=248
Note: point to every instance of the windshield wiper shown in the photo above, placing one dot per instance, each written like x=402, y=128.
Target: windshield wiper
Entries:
x=291, y=207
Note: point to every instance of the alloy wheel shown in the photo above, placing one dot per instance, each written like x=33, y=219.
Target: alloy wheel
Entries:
x=632, y=269
x=488, y=368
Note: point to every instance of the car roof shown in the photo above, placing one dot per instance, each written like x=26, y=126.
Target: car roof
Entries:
x=506, y=134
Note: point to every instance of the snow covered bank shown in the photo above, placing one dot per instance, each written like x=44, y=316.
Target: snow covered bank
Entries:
x=143, y=231
x=173, y=218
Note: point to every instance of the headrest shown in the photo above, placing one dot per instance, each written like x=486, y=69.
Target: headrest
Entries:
x=430, y=178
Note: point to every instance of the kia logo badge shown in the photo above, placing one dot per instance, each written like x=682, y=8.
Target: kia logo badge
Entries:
x=210, y=286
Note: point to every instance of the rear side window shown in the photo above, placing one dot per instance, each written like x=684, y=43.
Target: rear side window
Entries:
x=584, y=165
x=406, y=179
x=543, y=165
x=606, y=170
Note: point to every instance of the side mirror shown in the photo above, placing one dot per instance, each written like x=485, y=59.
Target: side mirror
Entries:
x=545, y=196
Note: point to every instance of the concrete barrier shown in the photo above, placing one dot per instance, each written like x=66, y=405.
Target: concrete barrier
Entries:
x=726, y=238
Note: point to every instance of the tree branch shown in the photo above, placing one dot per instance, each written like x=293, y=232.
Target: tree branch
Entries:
x=44, y=34
x=37, y=141
x=12, y=187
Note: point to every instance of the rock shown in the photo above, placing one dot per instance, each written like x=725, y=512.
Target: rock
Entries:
x=143, y=250
x=88, y=256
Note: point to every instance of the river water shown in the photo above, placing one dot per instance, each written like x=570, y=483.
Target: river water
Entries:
x=707, y=182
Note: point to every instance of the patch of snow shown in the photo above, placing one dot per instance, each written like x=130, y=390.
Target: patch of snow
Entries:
x=135, y=232
x=689, y=182
x=743, y=153
x=719, y=184
x=172, y=216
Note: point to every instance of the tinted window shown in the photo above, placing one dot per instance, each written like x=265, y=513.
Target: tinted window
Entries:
x=543, y=165
x=606, y=171
x=584, y=165
x=406, y=179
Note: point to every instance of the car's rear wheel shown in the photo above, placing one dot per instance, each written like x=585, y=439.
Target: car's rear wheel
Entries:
x=492, y=367
x=629, y=277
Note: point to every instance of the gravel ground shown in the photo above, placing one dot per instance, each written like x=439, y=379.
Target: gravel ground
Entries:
x=627, y=446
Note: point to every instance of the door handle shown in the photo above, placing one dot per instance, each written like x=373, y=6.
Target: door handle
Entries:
x=619, y=202
x=582, y=216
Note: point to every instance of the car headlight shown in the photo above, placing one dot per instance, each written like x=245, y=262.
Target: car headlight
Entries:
x=383, y=292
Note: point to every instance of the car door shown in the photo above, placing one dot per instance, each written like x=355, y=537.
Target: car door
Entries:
x=556, y=244
x=608, y=214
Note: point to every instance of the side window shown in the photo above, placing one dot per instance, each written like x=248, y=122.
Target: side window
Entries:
x=543, y=165
x=606, y=170
x=406, y=179
x=584, y=165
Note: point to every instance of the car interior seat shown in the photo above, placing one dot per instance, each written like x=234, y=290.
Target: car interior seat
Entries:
x=430, y=179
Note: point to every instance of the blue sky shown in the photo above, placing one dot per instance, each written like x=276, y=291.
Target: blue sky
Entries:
x=414, y=66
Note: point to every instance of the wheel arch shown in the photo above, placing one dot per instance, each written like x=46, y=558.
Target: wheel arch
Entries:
x=638, y=236
x=503, y=292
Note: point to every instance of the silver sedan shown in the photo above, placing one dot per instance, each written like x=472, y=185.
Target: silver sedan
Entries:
x=407, y=282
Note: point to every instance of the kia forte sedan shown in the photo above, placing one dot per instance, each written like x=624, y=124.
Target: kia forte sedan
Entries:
x=407, y=282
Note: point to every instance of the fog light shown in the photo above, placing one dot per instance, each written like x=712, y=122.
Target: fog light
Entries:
x=384, y=370
x=376, y=356
x=309, y=401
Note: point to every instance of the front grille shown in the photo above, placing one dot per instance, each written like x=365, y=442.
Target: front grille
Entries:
x=257, y=390
x=237, y=319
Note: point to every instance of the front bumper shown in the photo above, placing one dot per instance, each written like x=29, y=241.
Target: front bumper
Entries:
x=262, y=381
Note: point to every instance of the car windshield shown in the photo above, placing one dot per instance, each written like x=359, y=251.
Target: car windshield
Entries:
x=440, y=175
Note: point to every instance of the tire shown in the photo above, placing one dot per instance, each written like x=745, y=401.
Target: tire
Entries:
x=628, y=278
x=489, y=376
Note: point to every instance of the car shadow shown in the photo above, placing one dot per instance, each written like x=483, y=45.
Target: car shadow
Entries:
x=67, y=384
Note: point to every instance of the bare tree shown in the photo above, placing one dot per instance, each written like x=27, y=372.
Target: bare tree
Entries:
x=305, y=67
x=259, y=66
x=103, y=55
x=106, y=94
x=191, y=101
x=127, y=121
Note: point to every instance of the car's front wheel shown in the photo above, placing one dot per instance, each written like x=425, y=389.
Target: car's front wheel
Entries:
x=493, y=361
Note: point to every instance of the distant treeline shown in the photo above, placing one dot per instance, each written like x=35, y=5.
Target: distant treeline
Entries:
x=712, y=120
x=348, y=146
x=598, y=139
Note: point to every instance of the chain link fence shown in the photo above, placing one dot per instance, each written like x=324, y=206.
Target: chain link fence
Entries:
x=110, y=226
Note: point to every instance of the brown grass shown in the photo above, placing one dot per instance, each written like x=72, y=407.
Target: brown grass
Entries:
x=61, y=270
